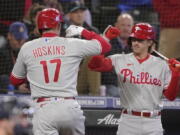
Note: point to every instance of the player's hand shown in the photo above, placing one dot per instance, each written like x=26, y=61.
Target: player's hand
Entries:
x=174, y=65
x=23, y=88
x=74, y=30
x=96, y=61
x=111, y=32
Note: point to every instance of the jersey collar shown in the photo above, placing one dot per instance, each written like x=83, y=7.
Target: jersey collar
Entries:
x=49, y=34
x=144, y=59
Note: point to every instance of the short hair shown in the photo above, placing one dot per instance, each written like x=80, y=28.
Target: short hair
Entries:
x=125, y=15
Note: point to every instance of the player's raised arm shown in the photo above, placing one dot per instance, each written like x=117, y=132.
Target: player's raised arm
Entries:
x=89, y=35
x=111, y=32
x=174, y=86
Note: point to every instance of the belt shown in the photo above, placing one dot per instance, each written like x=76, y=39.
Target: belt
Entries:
x=142, y=113
x=42, y=99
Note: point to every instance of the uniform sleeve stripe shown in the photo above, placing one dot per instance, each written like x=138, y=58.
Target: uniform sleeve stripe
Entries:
x=16, y=81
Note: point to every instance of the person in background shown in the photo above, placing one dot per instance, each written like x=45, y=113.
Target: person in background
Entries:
x=53, y=4
x=6, y=125
x=17, y=36
x=30, y=20
x=120, y=45
x=88, y=81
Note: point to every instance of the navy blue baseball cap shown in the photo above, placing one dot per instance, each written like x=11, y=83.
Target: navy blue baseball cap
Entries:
x=19, y=30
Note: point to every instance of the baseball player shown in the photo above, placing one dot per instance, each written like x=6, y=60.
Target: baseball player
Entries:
x=143, y=79
x=51, y=64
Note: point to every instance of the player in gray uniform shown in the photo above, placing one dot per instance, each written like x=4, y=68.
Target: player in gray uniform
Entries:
x=143, y=79
x=51, y=65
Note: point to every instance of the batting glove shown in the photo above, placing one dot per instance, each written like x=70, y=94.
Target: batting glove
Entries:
x=74, y=30
x=174, y=64
x=111, y=32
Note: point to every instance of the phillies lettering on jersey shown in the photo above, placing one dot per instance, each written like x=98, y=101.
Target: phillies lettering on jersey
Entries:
x=141, y=86
x=141, y=78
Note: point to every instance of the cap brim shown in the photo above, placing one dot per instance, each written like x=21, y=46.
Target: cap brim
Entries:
x=21, y=37
x=77, y=8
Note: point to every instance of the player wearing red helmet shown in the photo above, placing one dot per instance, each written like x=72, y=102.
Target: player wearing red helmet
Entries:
x=51, y=65
x=143, y=31
x=143, y=79
x=49, y=18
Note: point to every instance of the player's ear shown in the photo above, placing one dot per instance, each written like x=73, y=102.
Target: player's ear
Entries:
x=152, y=46
x=150, y=43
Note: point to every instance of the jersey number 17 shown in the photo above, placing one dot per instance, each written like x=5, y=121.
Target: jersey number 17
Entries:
x=45, y=69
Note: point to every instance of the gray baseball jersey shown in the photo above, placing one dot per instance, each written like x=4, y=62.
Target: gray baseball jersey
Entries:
x=142, y=84
x=51, y=64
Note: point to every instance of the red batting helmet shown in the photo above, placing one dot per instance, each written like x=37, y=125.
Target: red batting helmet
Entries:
x=49, y=18
x=143, y=31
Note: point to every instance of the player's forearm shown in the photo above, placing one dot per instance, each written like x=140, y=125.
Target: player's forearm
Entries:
x=100, y=63
x=16, y=81
x=174, y=86
x=106, y=47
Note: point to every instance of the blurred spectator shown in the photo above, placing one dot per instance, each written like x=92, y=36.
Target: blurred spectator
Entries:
x=53, y=4
x=22, y=116
x=3, y=41
x=87, y=18
x=65, y=4
x=30, y=20
x=6, y=125
x=88, y=81
x=50, y=4
x=125, y=23
x=169, y=15
x=15, y=113
x=38, y=6
x=10, y=11
x=76, y=14
x=17, y=36
x=4, y=79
